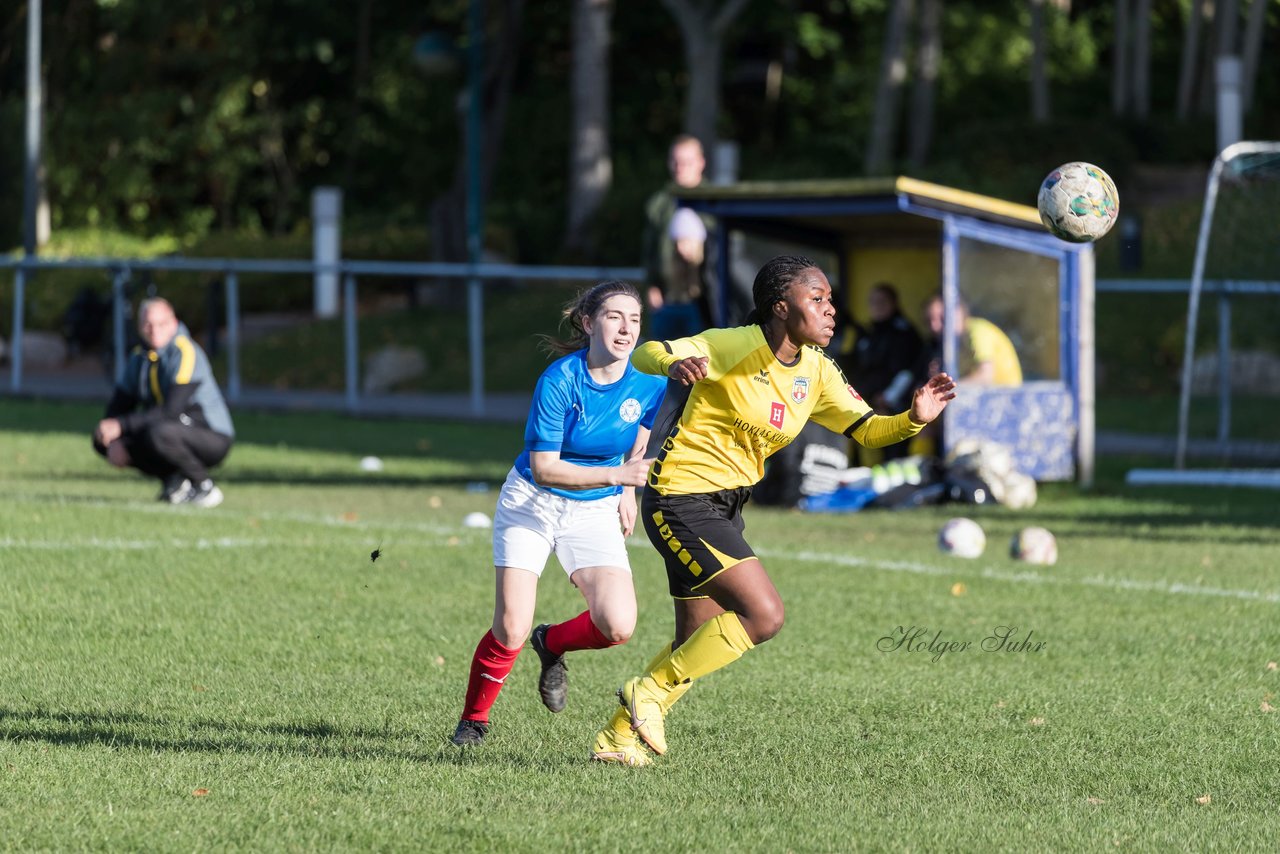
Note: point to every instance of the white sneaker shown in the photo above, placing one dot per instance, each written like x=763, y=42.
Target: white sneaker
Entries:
x=175, y=490
x=206, y=494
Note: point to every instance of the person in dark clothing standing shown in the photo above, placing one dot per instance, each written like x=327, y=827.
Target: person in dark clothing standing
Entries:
x=167, y=418
x=676, y=249
x=885, y=356
x=886, y=353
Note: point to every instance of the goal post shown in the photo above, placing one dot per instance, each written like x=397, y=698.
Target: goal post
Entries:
x=1237, y=257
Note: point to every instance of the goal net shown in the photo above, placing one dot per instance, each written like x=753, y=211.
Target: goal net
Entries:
x=1230, y=384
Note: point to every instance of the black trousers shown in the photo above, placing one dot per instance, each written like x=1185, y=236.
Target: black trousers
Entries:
x=169, y=447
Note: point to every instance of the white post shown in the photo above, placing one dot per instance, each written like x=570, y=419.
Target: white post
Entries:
x=326, y=240
x=1230, y=106
x=725, y=163
x=1086, y=377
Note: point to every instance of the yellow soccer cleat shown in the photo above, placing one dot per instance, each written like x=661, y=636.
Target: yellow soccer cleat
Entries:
x=645, y=708
x=619, y=749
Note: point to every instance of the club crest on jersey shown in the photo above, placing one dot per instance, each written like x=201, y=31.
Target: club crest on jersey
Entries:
x=776, y=411
x=629, y=411
x=800, y=389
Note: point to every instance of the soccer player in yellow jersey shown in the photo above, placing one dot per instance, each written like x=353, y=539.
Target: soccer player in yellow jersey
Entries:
x=750, y=391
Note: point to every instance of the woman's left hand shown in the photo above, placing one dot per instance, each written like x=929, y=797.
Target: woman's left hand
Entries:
x=627, y=510
x=932, y=397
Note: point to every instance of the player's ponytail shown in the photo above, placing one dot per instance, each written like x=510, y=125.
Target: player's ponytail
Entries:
x=585, y=304
x=772, y=282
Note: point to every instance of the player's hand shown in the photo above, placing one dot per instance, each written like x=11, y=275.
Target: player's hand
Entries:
x=689, y=370
x=932, y=397
x=108, y=431
x=627, y=511
x=634, y=472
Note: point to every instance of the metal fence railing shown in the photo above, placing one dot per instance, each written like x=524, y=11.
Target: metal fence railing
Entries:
x=1225, y=291
x=350, y=272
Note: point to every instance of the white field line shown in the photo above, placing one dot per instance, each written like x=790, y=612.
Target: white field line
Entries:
x=334, y=521
x=111, y=544
x=1173, y=588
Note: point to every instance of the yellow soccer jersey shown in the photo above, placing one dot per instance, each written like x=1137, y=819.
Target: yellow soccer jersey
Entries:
x=988, y=343
x=749, y=406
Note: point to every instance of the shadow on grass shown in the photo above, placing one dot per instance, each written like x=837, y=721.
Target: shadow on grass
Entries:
x=311, y=738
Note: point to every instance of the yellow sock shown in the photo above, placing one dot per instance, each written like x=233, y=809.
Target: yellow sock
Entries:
x=675, y=693
x=620, y=723
x=663, y=652
x=717, y=642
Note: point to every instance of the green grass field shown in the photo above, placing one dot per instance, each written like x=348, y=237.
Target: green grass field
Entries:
x=245, y=678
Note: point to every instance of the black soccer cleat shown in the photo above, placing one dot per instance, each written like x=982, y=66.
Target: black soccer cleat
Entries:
x=553, y=682
x=470, y=733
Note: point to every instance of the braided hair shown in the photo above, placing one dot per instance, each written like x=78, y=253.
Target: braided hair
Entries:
x=585, y=304
x=772, y=282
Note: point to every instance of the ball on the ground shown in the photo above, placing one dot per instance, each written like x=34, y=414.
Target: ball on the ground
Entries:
x=477, y=520
x=961, y=537
x=1034, y=545
x=1078, y=202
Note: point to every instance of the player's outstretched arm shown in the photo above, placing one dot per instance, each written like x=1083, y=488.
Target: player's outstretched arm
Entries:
x=931, y=398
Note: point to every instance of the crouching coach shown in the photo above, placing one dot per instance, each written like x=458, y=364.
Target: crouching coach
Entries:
x=167, y=417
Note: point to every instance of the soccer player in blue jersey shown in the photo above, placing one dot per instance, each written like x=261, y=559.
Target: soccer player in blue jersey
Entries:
x=572, y=489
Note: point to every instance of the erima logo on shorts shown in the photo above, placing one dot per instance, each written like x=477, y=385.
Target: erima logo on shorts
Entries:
x=629, y=411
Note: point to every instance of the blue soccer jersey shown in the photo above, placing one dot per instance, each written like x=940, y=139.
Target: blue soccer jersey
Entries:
x=588, y=423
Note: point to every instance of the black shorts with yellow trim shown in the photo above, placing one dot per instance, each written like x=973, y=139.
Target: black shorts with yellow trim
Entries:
x=699, y=536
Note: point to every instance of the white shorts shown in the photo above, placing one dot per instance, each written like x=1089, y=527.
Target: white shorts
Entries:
x=530, y=521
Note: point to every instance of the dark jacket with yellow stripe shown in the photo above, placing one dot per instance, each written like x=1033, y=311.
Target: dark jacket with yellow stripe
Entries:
x=175, y=383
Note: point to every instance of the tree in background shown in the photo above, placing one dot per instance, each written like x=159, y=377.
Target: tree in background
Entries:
x=208, y=122
x=504, y=19
x=1040, y=108
x=928, y=60
x=703, y=25
x=893, y=74
x=590, y=163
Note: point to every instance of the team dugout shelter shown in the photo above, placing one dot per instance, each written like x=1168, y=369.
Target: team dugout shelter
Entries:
x=924, y=238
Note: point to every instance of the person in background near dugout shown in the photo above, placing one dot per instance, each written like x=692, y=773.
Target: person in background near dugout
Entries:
x=885, y=356
x=750, y=391
x=167, y=417
x=572, y=489
x=984, y=354
x=675, y=241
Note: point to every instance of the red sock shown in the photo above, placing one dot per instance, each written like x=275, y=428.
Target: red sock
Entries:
x=578, y=633
x=489, y=667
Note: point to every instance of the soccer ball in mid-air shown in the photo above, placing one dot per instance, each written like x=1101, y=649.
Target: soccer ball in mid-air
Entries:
x=1034, y=545
x=1078, y=202
x=962, y=537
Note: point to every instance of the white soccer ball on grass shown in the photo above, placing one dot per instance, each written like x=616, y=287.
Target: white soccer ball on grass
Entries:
x=961, y=537
x=1034, y=545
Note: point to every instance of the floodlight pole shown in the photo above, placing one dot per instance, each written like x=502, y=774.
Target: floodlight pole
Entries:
x=35, y=98
x=475, y=199
x=30, y=190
